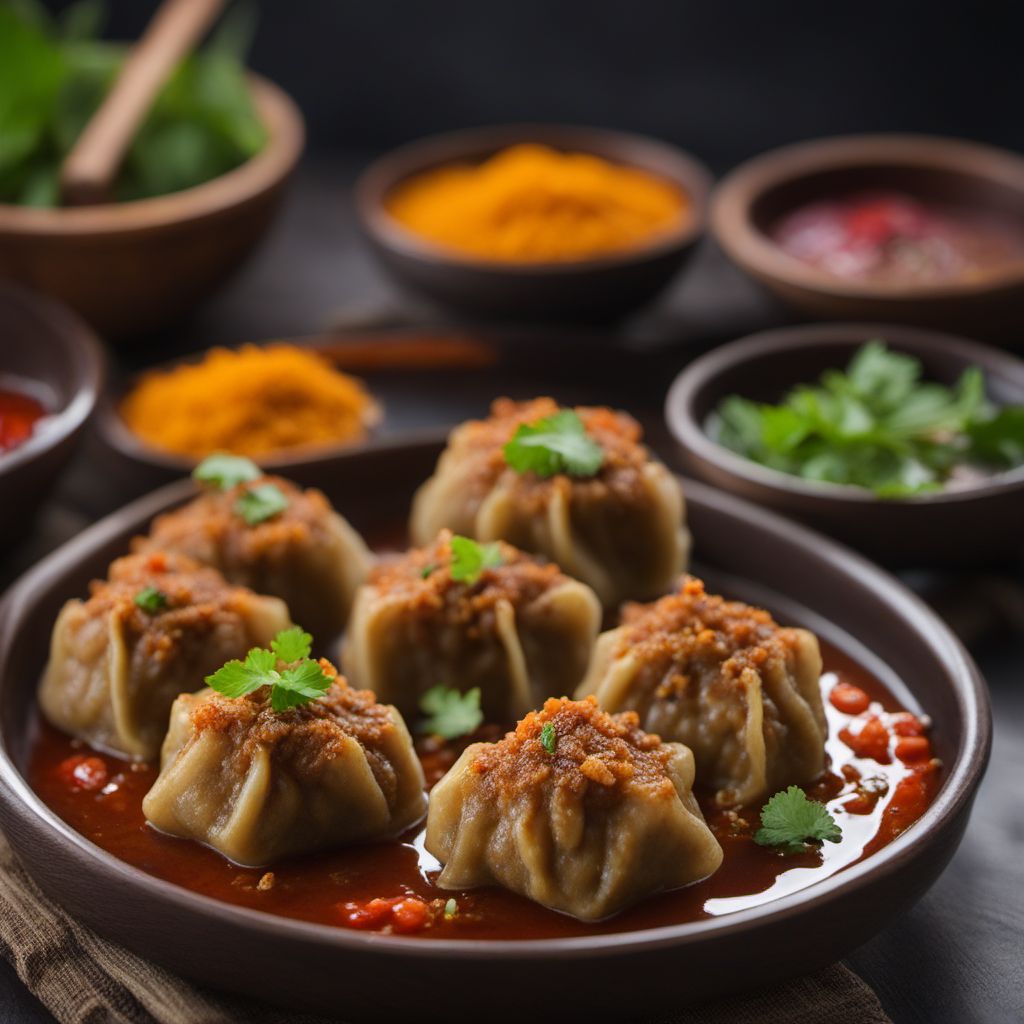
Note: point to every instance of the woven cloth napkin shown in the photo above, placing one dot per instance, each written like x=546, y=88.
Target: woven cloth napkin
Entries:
x=83, y=979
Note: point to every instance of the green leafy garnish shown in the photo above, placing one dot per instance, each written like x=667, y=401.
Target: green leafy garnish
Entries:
x=469, y=559
x=790, y=821
x=301, y=681
x=876, y=425
x=55, y=72
x=555, y=444
x=226, y=471
x=548, y=737
x=258, y=504
x=450, y=714
x=427, y=570
x=151, y=600
x=451, y=908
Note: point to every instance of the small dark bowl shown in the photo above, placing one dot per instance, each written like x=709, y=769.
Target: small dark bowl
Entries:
x=576, y=291
x=949, y=528
x=756, y=194
x=60, y=360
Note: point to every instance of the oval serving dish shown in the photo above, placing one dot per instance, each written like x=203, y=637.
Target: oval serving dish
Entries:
x=857, y=608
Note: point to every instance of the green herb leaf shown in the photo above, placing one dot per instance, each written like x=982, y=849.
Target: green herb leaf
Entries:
x=999, y=440
x=548, y=737
x=790, y=821
x=258, y=504
x=450, y=714
x=226, y=471
x=304, y=680
x=151, y=600
x=451, y=908
x=555, y=444
x=470, y=559
x=427, y=570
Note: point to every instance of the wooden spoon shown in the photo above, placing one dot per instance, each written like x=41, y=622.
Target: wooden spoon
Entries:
x=88, y=171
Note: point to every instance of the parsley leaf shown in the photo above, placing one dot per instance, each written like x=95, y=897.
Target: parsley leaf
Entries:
x=555, y=444
x=151, y=600
x=450, y=713
x=789, y=821
x=304, y=680
x=469, y=559
x=226, y=471
x=548, y=737
x=258, y=504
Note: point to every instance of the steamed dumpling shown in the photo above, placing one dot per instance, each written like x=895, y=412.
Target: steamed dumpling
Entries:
x=305, y=553
x=620, y=530
x=115, y=667
x=520, y=632
x=260, y=785
x=724, y=678
x=577, y=809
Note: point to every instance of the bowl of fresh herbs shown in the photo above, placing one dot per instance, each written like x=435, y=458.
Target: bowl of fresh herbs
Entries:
x=907, y=444
x=196, y=191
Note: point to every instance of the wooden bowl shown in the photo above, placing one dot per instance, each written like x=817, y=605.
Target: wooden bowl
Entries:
x=131, y=267
x=757, y=193
x=577, y=291
x=754, y=555
x=54, y=352
x=954, y=527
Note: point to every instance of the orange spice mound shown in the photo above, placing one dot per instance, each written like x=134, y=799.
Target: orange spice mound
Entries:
x=593, y=751
x=254, y=401
x=533, y=204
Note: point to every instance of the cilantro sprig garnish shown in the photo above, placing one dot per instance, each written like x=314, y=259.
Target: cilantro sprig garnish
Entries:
x=554, y=444
x=470, y=559
x=790, y=821
x=151, y=600
x=225, y=471
x=258, y=504
x=450, y=714
x=300, y=681
x=548, y=737
x=876, y=425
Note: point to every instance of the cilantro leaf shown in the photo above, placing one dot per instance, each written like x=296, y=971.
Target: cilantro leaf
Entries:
x=555, y=444
x=151, y=600
x=548, y=737
x=450, y=714
x=789, y=821
x=298, y=685
x=469, y=559
x=999, y=440
x=258, y=504
x=226, y=471
x=292, y=645
x=427, y=570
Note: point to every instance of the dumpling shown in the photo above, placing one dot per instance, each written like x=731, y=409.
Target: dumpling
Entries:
x=275, y=538
x=724, y=678
x=516, y=628
x=619, y=527
x=259, y=785
x=577, y=809
x=153, y=630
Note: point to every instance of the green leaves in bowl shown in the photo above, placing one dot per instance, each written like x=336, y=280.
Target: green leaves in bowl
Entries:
x=877, y=425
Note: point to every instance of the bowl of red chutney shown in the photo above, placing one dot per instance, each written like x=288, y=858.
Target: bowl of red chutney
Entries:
x=908, y=228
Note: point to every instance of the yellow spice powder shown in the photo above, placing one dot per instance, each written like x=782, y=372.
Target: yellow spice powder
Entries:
x=251, y=401
x=533, y=204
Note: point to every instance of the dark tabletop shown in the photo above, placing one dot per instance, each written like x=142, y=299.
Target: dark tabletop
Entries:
x=959, y=954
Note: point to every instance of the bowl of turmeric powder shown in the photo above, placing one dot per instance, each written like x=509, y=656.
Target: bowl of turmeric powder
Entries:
x=538, y=223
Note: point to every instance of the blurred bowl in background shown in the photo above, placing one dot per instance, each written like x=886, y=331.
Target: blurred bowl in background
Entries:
x=754, y=197
x=131, y=267
x=50, y=354
x=580, y=291
x=953, y=527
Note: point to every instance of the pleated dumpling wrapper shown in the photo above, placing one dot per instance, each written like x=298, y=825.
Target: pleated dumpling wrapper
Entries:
x=577, y=809
x=724, y=678
x=271, y=536
x=467, y=615
x=573, y=485
x=260, y=781
x=154, y=629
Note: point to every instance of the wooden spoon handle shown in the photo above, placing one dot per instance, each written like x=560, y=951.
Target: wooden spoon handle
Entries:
x=89, y=169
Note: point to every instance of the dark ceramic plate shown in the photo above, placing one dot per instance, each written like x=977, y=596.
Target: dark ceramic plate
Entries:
x=372, y=977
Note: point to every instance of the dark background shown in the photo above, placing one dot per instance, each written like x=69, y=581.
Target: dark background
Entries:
x=724, y=79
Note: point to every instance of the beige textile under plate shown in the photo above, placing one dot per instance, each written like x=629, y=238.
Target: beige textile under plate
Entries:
x=83, y=979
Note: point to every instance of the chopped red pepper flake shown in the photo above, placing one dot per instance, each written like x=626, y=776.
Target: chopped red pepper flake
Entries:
x=849, y=699
x=871, y=740
x=403, y=914
x=81, y=772
x=911, y=749
x=903, y=723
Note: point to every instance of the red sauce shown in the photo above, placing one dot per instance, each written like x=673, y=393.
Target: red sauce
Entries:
x=889, y=236
x=19, y=414
x=389, y=887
